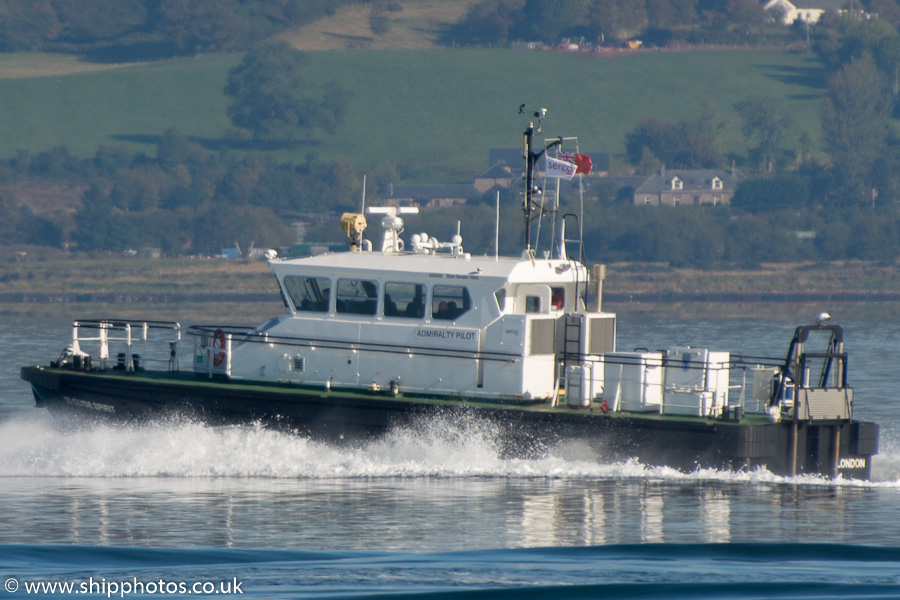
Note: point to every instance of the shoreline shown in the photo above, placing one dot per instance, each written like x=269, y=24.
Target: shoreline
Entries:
x=252, y=308
x=204, y=289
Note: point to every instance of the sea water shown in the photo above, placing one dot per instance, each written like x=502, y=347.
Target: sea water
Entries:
x=178, y=509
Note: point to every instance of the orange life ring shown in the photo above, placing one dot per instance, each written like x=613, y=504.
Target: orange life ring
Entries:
x=218, y=347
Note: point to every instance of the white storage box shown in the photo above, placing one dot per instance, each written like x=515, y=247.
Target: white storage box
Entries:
x=583, y=384
x=633, y=381
x=763, y=382
x=696, y=382
x=694, y=404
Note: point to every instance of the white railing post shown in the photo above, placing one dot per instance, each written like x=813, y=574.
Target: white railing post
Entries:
x=75, y=347
x=104, y=343
x=227, y=362
x=210, y=348
x=129, y=362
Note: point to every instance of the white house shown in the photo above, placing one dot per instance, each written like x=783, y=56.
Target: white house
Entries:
x=806, y=11
x=688, y=187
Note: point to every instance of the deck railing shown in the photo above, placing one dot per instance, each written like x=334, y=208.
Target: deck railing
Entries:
x=133, y=345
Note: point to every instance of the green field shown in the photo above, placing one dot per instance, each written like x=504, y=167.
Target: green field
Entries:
x=87, y=110
x=430, y=110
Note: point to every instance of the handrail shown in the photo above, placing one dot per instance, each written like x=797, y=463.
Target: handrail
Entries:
x=131, y=332
x=833, y=357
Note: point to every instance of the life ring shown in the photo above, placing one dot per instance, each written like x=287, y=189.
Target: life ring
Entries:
x=218, y=347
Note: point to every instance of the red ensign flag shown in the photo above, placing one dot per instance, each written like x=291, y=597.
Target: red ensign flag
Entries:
x=582, y=161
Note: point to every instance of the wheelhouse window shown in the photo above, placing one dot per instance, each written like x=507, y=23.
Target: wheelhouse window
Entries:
x=308, y=293
x=532, y=304
x=357, y=296
x=557, y=297
x=406, y=300
x=500, y=295
x=449, y=302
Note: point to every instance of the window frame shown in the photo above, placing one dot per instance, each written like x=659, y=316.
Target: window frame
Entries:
x=449, y=313
x=355, y=303
x=322, y=304
x=420, y=291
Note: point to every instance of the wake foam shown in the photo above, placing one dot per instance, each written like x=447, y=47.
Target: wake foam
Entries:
x=439, y=447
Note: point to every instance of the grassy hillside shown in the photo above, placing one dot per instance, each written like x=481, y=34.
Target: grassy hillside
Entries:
x=429, y=109
x=417, y=26
x=430, y=104
x=130, y=105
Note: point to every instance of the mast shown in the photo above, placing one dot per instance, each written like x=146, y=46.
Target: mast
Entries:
x=531, y=158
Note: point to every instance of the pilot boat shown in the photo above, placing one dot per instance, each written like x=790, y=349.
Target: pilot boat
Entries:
x=374, y=339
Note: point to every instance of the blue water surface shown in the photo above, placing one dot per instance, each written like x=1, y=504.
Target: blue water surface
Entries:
x=434, y=511
x=809, y=571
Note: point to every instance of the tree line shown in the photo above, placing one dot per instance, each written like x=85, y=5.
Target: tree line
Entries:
x=124, y=30
x=611, y=21
x=188, y=200
x=127, y=30
x=793, y=205
x=185, y=200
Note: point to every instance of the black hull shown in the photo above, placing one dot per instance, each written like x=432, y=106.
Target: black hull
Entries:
x=683, y=443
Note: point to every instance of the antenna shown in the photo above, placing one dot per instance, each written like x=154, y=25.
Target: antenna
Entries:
x=392, y=224
x=497, y=230
x=362, y=209
x=539, y=115
x=531, y=158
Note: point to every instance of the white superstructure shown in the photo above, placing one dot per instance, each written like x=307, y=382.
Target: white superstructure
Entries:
x=431, y=320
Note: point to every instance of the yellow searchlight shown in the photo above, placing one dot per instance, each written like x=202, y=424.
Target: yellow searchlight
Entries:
x=353, y=224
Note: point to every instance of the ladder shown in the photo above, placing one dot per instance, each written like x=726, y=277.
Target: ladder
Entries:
x=571, y=346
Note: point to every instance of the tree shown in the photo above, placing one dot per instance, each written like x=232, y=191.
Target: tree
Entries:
x=855, y=124
x=685, y=145
x=270, y=96
x=487, y=22
x=653, y=135
x=832, y=240
x=844, y=38
x=603, y=20
x=100, y=227
x=547, y=20
x=632, y=15
x=751, y=242
x=40, y=231
x=617, y=19
x=873, y=239
x=764, y=120
x=887, y=57
x=215, y=229
x=887, y=10
x=771, y=194
x=26, y=25
x=379, y=21
x=175, y=148
x=162, y=229
x=697, y=150
x=669, y=13
x=88, y=21
x=9, y=220
x=747, y=14
x=193, y=26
